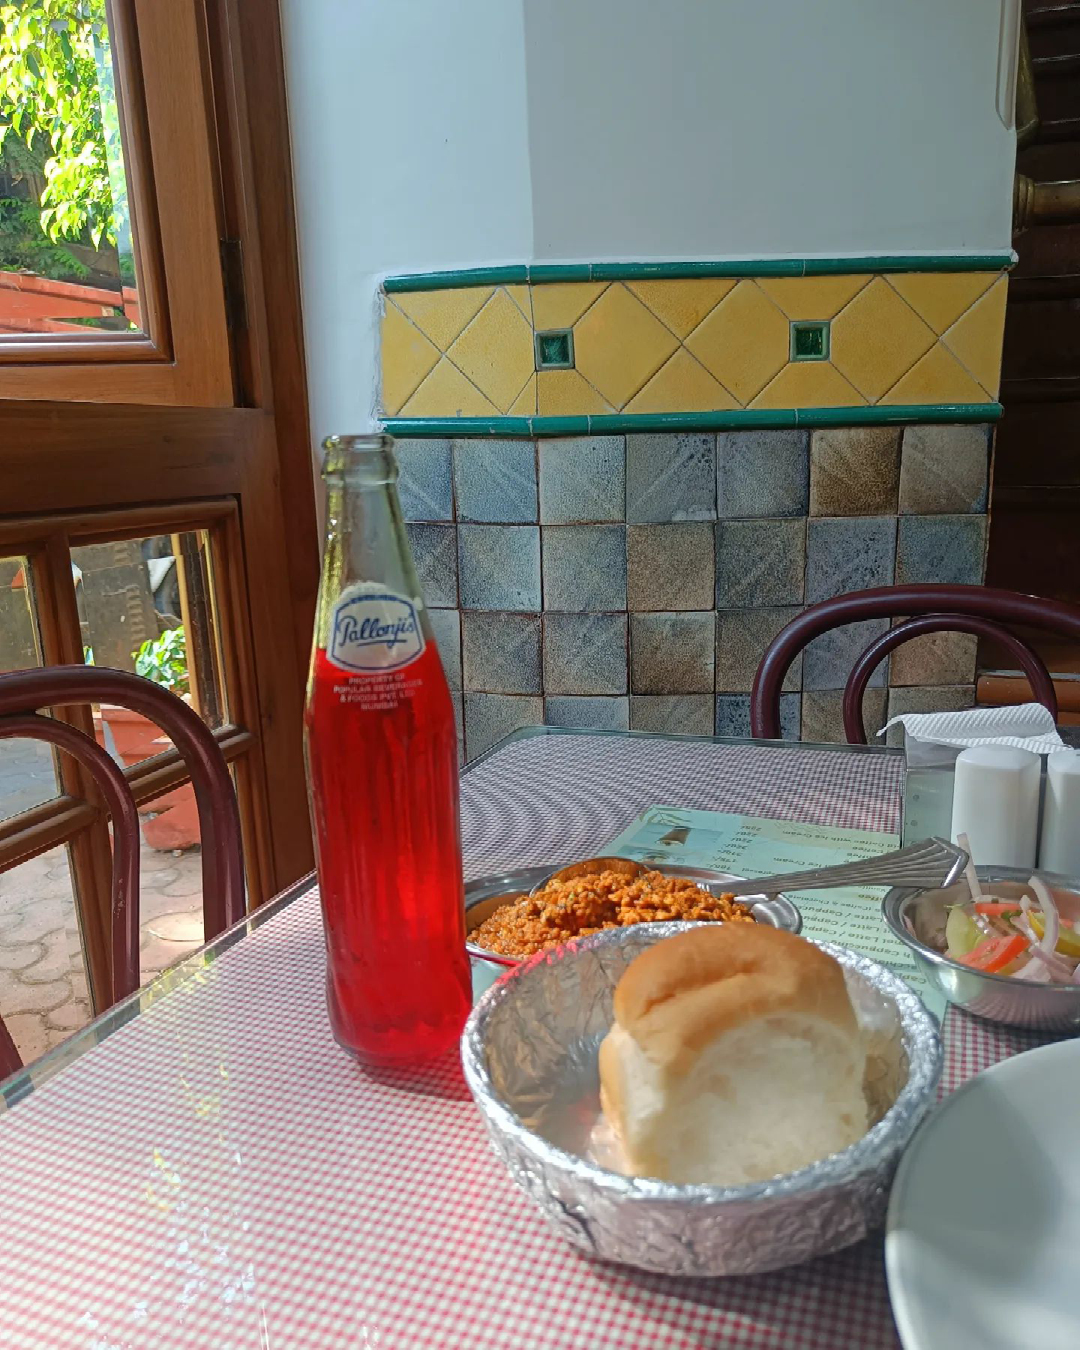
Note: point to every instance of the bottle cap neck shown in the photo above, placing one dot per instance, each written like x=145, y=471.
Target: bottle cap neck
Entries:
x=360, y=461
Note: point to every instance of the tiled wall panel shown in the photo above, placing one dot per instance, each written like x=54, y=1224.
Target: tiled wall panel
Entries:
x=636, y=581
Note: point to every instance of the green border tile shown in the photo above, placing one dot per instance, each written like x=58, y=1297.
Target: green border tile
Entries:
x=741, y=418
x=539, y=273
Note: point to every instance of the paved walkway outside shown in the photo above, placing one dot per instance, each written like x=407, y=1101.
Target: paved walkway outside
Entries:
x=43, y=989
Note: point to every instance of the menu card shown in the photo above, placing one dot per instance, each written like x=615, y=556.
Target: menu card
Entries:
x=748, y=846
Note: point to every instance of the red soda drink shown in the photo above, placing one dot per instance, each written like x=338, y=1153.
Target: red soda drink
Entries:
x=382, y=772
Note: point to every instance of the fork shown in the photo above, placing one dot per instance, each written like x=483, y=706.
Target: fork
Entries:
x=931, y=865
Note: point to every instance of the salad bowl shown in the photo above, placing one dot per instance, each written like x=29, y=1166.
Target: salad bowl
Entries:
x=918, y=918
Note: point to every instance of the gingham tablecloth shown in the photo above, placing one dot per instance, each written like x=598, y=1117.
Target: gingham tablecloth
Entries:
x=216, y=1173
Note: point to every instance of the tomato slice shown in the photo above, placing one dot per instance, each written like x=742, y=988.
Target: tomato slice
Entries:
x=997, y=907
x=995, y=953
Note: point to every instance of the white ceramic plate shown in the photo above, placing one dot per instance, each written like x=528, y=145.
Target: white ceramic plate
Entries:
x=982, y=1248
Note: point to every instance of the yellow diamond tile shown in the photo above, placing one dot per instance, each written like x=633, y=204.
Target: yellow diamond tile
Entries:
x=447, y=393
x=681, y=385
x=520, y=297
x=743, y=342
x=525, y=403
x=976, y=337
x=809, y=384
x=406, y=356
x=681, y=304
x=877, y=338
x=941, y=297
x=563, y=393
x=937, y=377
x=496, y=351
x=562, y=303
x=618, y=344
x=441, y=315
x=812, y=297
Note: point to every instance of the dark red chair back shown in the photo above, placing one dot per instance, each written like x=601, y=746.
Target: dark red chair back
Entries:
x=23, y=693
x=981, y=610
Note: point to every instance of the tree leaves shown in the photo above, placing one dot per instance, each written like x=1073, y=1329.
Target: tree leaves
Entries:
x=56, y=83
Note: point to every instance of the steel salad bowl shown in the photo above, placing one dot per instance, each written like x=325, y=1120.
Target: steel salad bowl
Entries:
x=917, y=917
x=484, y=896
x=530, y=1058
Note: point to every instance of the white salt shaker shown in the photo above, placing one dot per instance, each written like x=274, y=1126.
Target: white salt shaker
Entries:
x=996, y=804
x=1059, y=847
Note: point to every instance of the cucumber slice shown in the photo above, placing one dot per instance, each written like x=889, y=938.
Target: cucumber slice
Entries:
x=962, y=933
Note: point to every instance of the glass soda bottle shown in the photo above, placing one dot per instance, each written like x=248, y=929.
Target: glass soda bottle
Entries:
x=382, y=773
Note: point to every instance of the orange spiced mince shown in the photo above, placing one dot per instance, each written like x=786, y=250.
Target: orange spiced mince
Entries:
x=576, y=908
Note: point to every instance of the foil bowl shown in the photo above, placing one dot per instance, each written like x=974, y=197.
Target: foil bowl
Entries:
x=917, y=917
x=529, y=1052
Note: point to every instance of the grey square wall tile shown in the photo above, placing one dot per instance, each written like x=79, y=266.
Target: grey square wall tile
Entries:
x=946, y=549
x=490, y=717
x=424, y=485
x=742, y=635
x=848, y=554
x=759, y=562
x=501, y=652
x=672, y=653
x=934, y=658
x=675, y=714
x=584, y=654
x=459, y=723
x=854, y=471
x=670, y=567
x=936, y=698
x=823, y=715
x=434, y=550
x=495, y=481
x=944, y=470
x=762, y=473
x=500, y=566
x=605, y=714
x=733, y=715
x=827, y=661
x=582, y=479
x=446, y=626
x=670, y=477
x=584, y=567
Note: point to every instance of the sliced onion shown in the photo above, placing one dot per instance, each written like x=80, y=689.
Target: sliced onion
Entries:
x=970, y=875
x=1051, y=918
x=1053, y=964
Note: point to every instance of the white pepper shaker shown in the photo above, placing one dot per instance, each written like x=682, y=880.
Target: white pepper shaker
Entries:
x=996, y=804
x=1059, y=846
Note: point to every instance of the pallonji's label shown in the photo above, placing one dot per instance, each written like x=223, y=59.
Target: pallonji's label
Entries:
x=373, y=628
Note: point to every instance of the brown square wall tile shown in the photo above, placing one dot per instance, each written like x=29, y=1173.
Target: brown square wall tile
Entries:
x=823, y=715
x=672, y=653
x=676, y=714
x=742, y=635
x=934, y=658
x=944, y=470
x=854, y=471
x=670, y=567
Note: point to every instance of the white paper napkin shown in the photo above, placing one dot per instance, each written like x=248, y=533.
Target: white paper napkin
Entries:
x=1026, y=726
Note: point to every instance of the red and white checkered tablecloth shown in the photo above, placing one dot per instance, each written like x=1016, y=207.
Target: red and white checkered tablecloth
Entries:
x=216, y=1173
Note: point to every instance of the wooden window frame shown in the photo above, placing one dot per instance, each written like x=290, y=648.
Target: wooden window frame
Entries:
x=184, y=355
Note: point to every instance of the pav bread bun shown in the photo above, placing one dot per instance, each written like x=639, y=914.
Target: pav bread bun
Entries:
x=735, y=1057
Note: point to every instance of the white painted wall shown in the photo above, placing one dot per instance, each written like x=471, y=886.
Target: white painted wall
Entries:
x=410, y=153
x=755, y=128
x=453, y=133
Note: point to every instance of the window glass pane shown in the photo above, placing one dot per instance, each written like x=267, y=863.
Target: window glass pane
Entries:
x=170, y=889
x=66, y=256
x=27, y=768
x=147, y=605
x=43, y=987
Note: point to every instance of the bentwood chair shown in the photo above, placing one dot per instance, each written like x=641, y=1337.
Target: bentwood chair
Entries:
x=23, y=695
x=980, y=610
